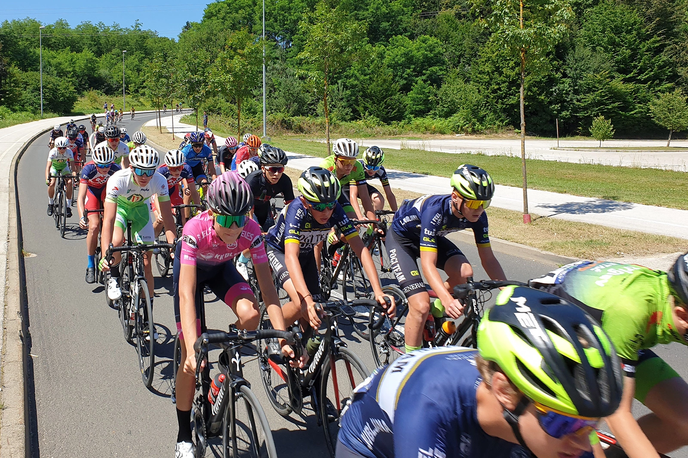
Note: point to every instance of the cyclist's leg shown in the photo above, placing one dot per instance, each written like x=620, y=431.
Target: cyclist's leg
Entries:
x=402, y=256
x=376, y=198
x=665, y=393
x=142, y=231
x=231, y=287
x=292, y=309
x=453, y=262
x=92, y=202
x=69, y=188
x=51, y=185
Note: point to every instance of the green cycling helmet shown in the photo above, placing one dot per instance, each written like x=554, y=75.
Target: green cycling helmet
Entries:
x=473, y=183
x=373, y=156
x=553, y=351
x=317, y=184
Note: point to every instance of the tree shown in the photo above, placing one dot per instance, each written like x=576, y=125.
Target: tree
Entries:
x=331, y=40
x=531, y=28
x=670, y=110
x=601, y=129
x=158, y=83
x=237, y=71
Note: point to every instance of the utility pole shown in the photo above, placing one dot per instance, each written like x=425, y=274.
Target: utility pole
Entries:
x=40, y=54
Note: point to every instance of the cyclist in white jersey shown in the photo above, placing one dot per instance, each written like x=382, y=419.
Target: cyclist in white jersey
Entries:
x=60, y=162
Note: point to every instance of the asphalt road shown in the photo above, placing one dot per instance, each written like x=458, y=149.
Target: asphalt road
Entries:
x=88, y=397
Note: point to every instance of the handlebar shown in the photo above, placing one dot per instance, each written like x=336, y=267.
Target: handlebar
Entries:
x=178, y=207
x=201, y=344
x=384, y=212
x=137, y=247
x=462, y=291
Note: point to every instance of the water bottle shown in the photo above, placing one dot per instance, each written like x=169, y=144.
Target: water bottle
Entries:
x=445, y=331
x=215, y=386
x=336, y=257
x=436, y=308
x=429, y=330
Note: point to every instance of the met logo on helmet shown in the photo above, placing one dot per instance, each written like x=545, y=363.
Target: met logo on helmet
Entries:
x=526, y=318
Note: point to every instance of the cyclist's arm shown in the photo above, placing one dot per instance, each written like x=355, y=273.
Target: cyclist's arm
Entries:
x=369, y=266
x=625, y=427
x=365, y=200
x=165, y=208
x=267, y=289
x=47, y=170
x=353, y=195
x=490, y=263
x=125, y=161
x=109, y=213
x=191, y=186
x=391, y=198
x=211, y=167
x=291, y=259
x=81, y=199
x=187, y=305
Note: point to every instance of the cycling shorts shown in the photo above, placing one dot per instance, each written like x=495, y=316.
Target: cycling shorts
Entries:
x=63, y=172
x=176, y=196
x=199, y=172
x=276, y=258
x=94, y=200
x=403, y=254
x=222, y=279
x=649, y=372
x=141, y=222
x=373, y=190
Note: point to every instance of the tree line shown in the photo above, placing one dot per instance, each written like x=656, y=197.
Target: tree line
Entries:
x=455, y=65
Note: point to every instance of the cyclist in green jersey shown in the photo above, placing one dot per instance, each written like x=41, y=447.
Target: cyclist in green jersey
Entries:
x=638, y=308
x=60, y=161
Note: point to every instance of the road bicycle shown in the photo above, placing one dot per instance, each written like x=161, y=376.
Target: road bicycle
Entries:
x=135, y=308
x=329, y=379
x=387, y=336
x=60, y=202
x=163, y=256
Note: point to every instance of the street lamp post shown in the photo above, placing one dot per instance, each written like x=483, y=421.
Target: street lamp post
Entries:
x=124, y=97
x=264, y=120
x=40, y=54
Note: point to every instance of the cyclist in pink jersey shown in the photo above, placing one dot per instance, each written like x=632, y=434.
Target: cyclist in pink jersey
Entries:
x=204, y=255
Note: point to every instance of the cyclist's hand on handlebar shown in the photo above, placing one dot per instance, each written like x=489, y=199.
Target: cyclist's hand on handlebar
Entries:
x=313, y=316
x=387, y=302
x=454, y=308
x=189, y=367
x=83, y=223
x=289, y=353
x=47, y=181
x=104, y=265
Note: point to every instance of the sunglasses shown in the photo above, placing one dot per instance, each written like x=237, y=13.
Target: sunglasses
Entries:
x=227, y=221
x=275, y=169
x=104, y=166
x=113, y=139
x=61, y=147
x=176, y=169
x=558, y=425
x=204, y=183
x=373, y=168
x=347, y=160
x=144, y=172
x=321, y=207
x=476, y=204
x=197, y=145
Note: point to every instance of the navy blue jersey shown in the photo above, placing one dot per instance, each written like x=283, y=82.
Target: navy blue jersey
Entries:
x=96, y=181
x=172, y=181
x=192, y=158
x=295, y=224
x=424, y=219
x=380, y=174
x=423, y=405
x=263, y=191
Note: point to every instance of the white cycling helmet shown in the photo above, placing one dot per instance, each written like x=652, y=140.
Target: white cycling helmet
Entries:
x=345, y=147
x=57, y=127
x=101, y=129
x=144, y=157
x=174, y=158
x=122, y=130
x=246, y=137
x=61, y=142
x=102, y=154
x=139, y=137
x=246, y=167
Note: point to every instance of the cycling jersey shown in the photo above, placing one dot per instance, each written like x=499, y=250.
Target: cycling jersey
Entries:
x=56, y=133
x=60, y=161
x=263, y=191
x=631, y=302
x=122, y=150
x=203, y=248
x=125, y=139
x=357, y=174
x=243, y=153
x=432, y=217
x=173, y=181
x=93, y=179
x=380, y=174
x=423, y=405
x=192, y=158
x=295, y=224
x=225, y=155
x=76, y=146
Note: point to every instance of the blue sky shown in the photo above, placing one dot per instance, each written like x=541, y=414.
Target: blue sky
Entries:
x=165, y=17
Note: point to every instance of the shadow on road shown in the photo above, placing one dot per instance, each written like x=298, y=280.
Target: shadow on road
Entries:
x=594, y=206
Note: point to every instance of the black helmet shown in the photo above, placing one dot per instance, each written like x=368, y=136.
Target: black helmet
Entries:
x=317, y=184
x=473, y=183
x=72, y=134
x=112, y=132
x=271, y=155
x=230, y=195
x=678, y=278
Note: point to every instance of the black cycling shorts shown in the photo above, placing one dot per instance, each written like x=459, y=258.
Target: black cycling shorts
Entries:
x=403, y=254
x=308, y=267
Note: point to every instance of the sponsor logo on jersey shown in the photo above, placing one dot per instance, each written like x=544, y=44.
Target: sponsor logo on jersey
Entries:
x=134, y=198
x=190, y=240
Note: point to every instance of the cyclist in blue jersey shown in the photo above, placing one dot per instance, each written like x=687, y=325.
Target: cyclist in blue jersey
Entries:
x=543, y=376
x=372, y=161
x=194, y=154
x=303, y=224
x=418, y=231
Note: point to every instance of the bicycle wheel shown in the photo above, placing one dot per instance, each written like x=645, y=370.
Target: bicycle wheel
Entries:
x=339, y=378
x=125, y=300
x=362, y=289
x=162, y=258
x=276, y=378
x=245, y=428
x=387, y=342
x=57, y=205
x=145, y=332
x=326, y=273
x=176, y=363
x=63, y=216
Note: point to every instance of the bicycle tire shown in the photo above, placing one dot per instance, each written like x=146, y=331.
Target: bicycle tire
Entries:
x=176, y=363
x=333, y=400
x=125, y=301
x=387, y=342
x=256, y=440
x=145, y=333
x=56, y=205
x=326, y=273
x=362, y=290
x=63, y=217
x=162, y=259
x=277, y=386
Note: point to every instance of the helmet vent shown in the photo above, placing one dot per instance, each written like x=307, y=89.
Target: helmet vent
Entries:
x=532, y=379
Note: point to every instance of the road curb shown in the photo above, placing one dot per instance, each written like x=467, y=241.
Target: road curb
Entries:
x=15, y=440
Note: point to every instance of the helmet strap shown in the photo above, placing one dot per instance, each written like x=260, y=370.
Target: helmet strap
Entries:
x=511, y=417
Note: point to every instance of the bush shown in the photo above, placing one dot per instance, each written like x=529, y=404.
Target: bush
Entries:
x=602, y=129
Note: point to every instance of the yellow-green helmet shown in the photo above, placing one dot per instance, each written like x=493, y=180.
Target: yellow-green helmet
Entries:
x=473, y=183
x=317, y=184
x=553, y=351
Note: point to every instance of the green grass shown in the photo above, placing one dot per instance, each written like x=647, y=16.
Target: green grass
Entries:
x=644, y=186
x=8, y=118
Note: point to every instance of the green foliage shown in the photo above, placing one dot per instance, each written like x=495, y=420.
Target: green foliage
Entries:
x=670, y=110
x=601, y=129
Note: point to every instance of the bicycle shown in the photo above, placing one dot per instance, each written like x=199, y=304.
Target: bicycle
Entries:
x=134, y=307
x=329, y=379
x=163, y=256
x=387, y=337
x=60, y=202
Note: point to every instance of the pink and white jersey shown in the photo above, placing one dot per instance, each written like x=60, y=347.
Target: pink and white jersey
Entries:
x=201, y=245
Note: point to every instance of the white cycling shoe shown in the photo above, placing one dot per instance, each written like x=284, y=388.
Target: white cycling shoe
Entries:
x=184, y=450
x=113, y=290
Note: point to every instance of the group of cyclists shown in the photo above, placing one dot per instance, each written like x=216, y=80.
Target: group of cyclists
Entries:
x=552, y=359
